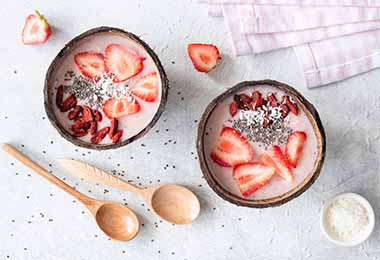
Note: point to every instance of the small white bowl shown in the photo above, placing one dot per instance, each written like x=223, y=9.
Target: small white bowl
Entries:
x=363, y=235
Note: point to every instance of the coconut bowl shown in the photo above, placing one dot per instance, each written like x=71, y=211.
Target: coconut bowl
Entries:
x=67, y=49
x=221, y=189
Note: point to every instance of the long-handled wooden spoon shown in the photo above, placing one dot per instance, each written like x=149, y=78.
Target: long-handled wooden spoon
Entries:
x=116, y=220
x=174, y=203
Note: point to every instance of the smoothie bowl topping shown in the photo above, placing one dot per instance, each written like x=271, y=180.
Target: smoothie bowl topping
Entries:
x=105, y=89
x=260, y=144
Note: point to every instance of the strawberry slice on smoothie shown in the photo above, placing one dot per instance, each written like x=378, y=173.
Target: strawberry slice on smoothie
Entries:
x=294, y=147
x=204, y=57
x=275, y=158
x=231, y=149
x=119, y=107
x=90, y=64
x=122, y=62
x=250, y=177
x=36, y=29
x=146, y=88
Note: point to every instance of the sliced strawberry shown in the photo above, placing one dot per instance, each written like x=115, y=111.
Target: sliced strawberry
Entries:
x=231, y=149
x=146, y=88
x=118, y=107
x=251, y=177
x=204, y=57
x=91, y=64
x=294, y=147
x=122, y=62
x=36, y=29
x=275, y=158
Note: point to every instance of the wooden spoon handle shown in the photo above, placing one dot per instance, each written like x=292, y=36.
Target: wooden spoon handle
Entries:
x=92, y=174
x=44, y=173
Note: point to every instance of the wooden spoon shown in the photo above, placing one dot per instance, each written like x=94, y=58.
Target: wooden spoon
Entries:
x=116, y=220
x=174, y=203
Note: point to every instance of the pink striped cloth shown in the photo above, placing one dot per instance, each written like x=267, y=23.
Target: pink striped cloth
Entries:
x=322, y=58
x=366, y=3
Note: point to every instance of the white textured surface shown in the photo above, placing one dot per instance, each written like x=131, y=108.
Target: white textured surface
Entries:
x=349, y=110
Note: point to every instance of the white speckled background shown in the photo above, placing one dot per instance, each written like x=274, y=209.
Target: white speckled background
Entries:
x=38, y=221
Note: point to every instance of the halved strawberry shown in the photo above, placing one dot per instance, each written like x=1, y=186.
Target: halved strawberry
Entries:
x=294, y=147
x=146, y=88
x=91, y=64
x=231, y=149
x=36, y=29
x=122, y=62
x=251, y=177
x=275, y=158
x=118, y=107
x=204, y=57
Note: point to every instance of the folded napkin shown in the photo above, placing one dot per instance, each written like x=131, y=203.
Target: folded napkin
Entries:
x=339, y=58
x=252, y=43
x=367, y=3
x=273, y=24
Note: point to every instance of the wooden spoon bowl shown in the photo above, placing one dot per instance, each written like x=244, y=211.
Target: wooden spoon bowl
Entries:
x=117, y=221
x=175, y=204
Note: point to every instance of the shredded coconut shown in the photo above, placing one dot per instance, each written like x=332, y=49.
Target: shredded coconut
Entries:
x=346, y=218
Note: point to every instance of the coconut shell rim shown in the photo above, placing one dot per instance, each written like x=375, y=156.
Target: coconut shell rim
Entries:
x=65, y=50
x=277, y=200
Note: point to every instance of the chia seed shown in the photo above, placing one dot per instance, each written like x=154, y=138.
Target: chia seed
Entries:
x=92, y=92
x=252, y=128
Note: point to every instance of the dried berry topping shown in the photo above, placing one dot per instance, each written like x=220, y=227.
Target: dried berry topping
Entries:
x=292, y=105
x=284, y=110
x=258, y=101
x=87, y=114
x=272, y=100
x=80, y=133
x=243, y=101
x=99, y=136
x=98, y=116
x=69, y=103
x=59, y=96
x=233, y=108
x=93, y=127
x=73, y=114
x=116, y=137
x=113, y=127
x=79, y=125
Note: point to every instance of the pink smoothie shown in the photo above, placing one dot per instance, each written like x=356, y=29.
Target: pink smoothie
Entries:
x=221, y=117
x=130, y=124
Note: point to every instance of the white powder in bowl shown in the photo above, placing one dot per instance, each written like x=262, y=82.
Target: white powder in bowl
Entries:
x=346, y=218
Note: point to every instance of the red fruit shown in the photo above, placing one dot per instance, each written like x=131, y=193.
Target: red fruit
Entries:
x=243, y=101
x=118, y=107
x=233, y=108
x=69, y=103
x=251, y=177
x=272, y=100
x=204, y=57
x=73, y=114
x=79, y=125
x=36, y=29
x=80, y=133
x=257, y=100
x=93, y=127
x=113, y=128
x=146, y=88
x=274, y=157
x=59, y=97
x=294, y=147
x=98, y=116
x=292, y=106
x=122, y=62
x=284, y=110
x=87, y=115
x=91, y=64
x=231, y=149
x=116, y=137
x=99, y=136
